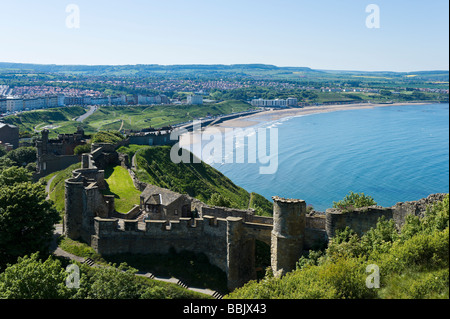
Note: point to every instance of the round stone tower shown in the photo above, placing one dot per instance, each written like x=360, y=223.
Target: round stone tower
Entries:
x=289, y=221
x=74, y=208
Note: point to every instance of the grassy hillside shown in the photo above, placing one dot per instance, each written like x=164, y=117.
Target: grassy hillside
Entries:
x=139, y=117
x=57, y=186
x=412, y=263
x=198, y=180
x=112, y=118
x=60, y=117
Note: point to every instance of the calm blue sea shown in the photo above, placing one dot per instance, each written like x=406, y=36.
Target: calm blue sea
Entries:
x=394, y=154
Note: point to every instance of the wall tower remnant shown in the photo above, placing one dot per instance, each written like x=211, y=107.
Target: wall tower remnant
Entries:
x=288, y=234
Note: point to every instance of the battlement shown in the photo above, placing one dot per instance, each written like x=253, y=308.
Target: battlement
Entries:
x=287, y=200
x=183, y=226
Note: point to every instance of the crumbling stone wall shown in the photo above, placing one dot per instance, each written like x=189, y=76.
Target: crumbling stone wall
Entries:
x=362, y=219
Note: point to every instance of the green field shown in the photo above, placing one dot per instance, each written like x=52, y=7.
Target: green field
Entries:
x=107, y=118
x=62, y=119
x=121, y=186
x=140, y=117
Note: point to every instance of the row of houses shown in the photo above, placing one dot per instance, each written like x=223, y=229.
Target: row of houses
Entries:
x=18, y=104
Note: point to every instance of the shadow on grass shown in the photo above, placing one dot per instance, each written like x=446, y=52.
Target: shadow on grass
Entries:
x=193, y=269
x=108, y=173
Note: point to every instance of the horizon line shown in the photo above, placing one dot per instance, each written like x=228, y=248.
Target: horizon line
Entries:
x=222, y=64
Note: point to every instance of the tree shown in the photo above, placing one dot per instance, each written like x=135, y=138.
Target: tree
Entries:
x=110, y=283
x=30, y=278
x=12, y=175
x=219, y=200
x=354, y=200
x=23, y=155
x=82, y=149
x=26, y=221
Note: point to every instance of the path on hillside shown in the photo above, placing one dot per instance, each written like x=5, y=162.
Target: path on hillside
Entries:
x=47, y=187
x=57, y=251
x=87, y=114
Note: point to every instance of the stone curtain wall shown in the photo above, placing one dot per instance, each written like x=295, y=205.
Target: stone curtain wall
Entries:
x=360, y=220
x=363, y=219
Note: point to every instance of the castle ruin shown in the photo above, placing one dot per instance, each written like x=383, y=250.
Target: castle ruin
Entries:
x=165, y=220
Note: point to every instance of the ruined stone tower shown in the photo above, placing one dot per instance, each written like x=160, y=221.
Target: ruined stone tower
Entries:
x=289, y=222
x=240, y=254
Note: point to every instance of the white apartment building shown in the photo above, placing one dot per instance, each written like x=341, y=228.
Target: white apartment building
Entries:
x=99, y=101
x=14, y=104
x=292, y=101
x=195, y=99
x=118, y=100
x=34, y=103
x=275, y=103
x=61, y=100
x=147, y=100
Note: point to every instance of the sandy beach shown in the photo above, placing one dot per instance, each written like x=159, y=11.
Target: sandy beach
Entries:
x=190, y=138
x=274, y=115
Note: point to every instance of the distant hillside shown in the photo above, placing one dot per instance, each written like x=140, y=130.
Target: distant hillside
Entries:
x=63, y=116
x=197, y=180
x=204, y=70
x=140, y=117
x=143, y=68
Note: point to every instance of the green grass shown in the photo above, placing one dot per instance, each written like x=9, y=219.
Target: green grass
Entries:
x=139, y=117
x=121, y=186
x=79, y=249
x=63, y=117
x=107, y=137
x=130, y=150
x=110, y=117
x=262, y=206
x=58, y=186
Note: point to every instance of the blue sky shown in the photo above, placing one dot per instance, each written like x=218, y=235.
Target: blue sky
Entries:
x=320, y=34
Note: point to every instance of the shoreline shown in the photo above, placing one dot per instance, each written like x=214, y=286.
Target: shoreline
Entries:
x=190, y=139
x=278, y=114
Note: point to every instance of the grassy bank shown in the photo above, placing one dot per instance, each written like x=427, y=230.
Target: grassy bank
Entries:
x=120, y=185
x=61, y=118
x=198, y=180
x=140, y=117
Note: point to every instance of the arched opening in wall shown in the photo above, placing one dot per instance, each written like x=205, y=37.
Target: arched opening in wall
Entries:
x=262, y=258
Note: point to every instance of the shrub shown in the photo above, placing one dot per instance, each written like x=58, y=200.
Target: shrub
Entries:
x=354, y=200
x=82, y=149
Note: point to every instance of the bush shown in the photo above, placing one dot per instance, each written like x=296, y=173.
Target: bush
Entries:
x=31, y=278
x=353, y=200
x=107, y=137
x=82, y=149
x=413, y=263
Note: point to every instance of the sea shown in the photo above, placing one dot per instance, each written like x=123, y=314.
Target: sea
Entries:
x=394, y=154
